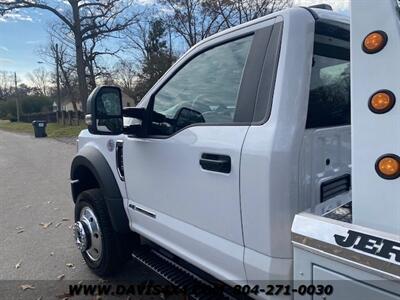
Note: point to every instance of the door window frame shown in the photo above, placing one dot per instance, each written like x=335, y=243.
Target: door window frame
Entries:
x=247, y=99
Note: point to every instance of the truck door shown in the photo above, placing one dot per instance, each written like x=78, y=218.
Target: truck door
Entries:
x=182, y=180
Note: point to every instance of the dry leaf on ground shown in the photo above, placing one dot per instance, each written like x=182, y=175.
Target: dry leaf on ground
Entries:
x=25, y=287
x=18, y=265
x=46, y=225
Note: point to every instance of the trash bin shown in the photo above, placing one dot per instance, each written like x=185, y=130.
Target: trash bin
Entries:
x=40, y=128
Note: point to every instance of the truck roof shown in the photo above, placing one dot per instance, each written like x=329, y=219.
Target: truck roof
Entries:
x=322, y=14
x=331, y=15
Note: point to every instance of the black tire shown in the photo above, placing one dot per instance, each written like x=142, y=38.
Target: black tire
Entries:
x=116, y=248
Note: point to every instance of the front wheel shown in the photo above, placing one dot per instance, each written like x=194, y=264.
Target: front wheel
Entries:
x=101, y=247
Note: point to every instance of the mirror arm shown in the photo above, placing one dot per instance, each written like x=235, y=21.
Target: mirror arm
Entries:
x=159, y=118
x=136, y=130
x=134, y=112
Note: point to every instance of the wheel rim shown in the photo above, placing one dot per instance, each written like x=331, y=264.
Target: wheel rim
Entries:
x=92, y=229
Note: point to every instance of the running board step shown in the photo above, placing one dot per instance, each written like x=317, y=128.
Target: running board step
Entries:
x=181, y=277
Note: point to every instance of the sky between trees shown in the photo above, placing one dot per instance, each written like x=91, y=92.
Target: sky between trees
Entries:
x=126, y=42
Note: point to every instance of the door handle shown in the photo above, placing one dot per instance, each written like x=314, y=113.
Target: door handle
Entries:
x=216, y=162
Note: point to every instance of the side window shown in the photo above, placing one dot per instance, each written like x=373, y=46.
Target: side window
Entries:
x=329, y=101
x=204, y=91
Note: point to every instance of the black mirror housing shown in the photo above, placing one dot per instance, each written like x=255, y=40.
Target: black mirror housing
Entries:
x=105, y=114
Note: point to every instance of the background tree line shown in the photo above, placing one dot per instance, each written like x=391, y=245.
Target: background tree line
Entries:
x=125, y=42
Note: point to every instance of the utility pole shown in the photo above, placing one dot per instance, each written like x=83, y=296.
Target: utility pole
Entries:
x=16, y=95
x=58, y=86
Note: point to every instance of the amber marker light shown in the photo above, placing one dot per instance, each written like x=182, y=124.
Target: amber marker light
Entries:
x=375, y=42
x=388, y=166
x=382, y=101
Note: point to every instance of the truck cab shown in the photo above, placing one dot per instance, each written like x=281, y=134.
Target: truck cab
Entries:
x=248, y=128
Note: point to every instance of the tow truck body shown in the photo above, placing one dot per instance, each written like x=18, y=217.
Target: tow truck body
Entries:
x=354, y=244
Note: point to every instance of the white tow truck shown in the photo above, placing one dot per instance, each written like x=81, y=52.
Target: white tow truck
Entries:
x=247, y=132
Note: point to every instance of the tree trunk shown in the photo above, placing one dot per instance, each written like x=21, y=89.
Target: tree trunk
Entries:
x=80, y=64
x=69, y=88
x=92, y=76
x=75, y=107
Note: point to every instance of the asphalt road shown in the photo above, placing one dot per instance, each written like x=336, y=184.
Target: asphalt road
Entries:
x=36, y=214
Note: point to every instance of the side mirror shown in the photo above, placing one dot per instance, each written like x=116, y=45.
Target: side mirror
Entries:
x=104, y=107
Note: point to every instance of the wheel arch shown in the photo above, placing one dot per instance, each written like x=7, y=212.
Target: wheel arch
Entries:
x=89, y=169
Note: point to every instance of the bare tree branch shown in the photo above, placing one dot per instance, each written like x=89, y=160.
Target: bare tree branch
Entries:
x=40, y=78
x=6, y=6
x=85, y=21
